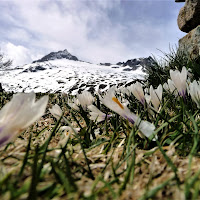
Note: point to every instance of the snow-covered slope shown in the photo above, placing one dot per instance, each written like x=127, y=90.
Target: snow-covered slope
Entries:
x=64, y=75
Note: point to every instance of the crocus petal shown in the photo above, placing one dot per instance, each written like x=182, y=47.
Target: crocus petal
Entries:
x=194, y=91
x=166, y=87
x=96, y=114
x=179, y=79
x=56, y=111
x=159, y=92
x=20, y=113
x=137, y=91
x=85, y=99
x=171, y=85
x=156, y=96
x=125, y=90
x=110, y=101
x=37, y=110
x=18, y=101
x=74, y=104
x=146, y=128
x=67, y=131
x=184, y=73
x=28, y=112
x=148, y=98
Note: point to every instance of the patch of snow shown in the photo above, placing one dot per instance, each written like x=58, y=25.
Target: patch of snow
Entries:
x=64, y=75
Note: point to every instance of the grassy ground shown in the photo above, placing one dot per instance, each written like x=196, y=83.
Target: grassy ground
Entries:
x=116, y=164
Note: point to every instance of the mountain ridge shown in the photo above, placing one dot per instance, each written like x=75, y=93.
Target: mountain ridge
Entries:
x=133, y=63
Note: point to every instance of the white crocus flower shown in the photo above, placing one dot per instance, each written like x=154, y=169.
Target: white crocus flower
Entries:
x=56, y=111
x=20, y=113
x=137, y=91
x=156, y=96
x=66, y=132
x=114, y=104
x=194, y=90
x=125, y=90
x=179, y=79
x=85, y=99
x=147, y=128
x=96, y=114
x=169, y=86
x=166, y=87
x=148, y=98
x=74, y=104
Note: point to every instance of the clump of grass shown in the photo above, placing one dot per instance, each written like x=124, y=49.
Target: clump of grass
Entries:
x=158, y=73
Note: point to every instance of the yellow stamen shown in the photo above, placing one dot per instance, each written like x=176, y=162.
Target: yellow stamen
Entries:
x=117, y=101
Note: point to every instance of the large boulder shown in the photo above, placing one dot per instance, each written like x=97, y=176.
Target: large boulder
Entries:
x=189, y=16
x=190, y=44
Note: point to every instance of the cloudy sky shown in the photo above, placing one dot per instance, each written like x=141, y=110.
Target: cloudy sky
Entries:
x=93, y=30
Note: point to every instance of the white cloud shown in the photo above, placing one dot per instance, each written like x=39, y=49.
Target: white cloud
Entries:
x=72, y=27
x=18, y=34
x=18, y=54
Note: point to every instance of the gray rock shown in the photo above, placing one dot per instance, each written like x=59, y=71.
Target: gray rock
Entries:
x=115, y=67
x=60, y=82
x=190, y=44
x=189, y=16
x=106, y=64
x=127, y=69
x=35, y=69
x=102, y=86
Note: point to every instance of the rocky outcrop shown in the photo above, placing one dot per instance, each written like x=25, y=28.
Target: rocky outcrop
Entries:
x=189, y=15
x=35, y=68
x=57, y=55
x=190, y=44
x=106, y=64
x=189, y=22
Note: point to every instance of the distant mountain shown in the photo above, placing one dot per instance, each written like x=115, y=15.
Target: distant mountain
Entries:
x=138, y=62
x=129, y=65
x=57, y=55
x=63, y=72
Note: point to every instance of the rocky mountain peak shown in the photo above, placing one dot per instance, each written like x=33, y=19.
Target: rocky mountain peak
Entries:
x=136, y=62
x=57, y=55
